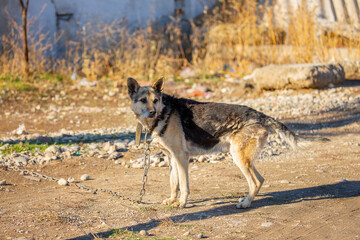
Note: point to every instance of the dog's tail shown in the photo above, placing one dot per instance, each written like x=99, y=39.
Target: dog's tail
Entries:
x=290, y=137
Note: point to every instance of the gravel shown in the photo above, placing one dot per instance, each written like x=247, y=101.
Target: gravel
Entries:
x=114, y=143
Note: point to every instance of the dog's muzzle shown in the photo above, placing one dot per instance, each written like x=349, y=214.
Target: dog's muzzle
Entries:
x=152, y=114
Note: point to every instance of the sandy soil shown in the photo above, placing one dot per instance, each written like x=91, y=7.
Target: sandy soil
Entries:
x=311, y=193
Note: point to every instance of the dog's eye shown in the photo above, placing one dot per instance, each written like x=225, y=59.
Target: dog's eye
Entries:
x=143, y=100
x=156, y=100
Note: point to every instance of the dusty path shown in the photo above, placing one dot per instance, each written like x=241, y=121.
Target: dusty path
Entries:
x=311, y=193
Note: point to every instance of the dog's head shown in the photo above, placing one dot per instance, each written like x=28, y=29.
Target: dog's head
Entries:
x=146, y=101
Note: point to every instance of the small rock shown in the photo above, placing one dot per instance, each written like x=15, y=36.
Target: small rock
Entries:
x=50, y=156
x=163, y=164
x=143, y=233
x=117, y=162
x=284, y=181
x=3, y=182
x=20, y=161
x=202, y=158
x=20, y=130
x=106, y=146
x=137, y=165
x=74, y=149
x=200, y=235
x=320, y=170
x=68, y=154
x=71, y=179
x=63, y=182
x=84, y=177
x=266, y=224
x=53, y=149
x=187, y=233
x=115, y=155
x=33, y=178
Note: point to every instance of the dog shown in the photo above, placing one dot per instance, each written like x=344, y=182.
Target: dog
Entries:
x=185, y=128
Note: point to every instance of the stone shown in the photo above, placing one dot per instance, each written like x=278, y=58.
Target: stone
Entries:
x=186, y=233
x=284, y=181
x=202, y=158
x=137, y=165
x=200, y=235
x=20, y=130
x=267, y=224
x=71, y=179
x=84, y=177
x=74, y=149
x=53, y=149
x=155, y=159
x=117, y=162
x=50, y=156
x=2, y=148
x=20, y=161
x=3, y=182
x=143, y=233
x=33, y=178
x=115, y=155
x=298, y=76
x=63, y=182
x=106, y=146
x=163, y=164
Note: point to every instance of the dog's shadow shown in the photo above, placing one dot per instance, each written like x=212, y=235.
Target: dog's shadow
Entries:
x=344, y=189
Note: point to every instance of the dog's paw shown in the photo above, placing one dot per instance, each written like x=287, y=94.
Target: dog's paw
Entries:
x=179, y=204
x=243, y=203
x=169, y=201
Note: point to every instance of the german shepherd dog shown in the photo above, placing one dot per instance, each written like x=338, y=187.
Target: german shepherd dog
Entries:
x=185, y=128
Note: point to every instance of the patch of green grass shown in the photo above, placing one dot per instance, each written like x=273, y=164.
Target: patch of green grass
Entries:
x=186, y=225
x=21, y=147
x=11, y=82
x=131, y=235
x=145, y=209
x=229, y=195
x=51, y=78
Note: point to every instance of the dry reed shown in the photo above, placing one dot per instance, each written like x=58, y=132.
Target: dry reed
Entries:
x=237, y=36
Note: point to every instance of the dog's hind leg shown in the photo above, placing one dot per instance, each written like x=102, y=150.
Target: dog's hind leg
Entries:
x=174, y=181
x=245, y=147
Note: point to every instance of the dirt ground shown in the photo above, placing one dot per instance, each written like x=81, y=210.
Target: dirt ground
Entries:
x=311, y=193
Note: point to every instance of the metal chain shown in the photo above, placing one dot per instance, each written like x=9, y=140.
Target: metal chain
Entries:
x=80, y=186
x=95, y=190
x=146, y=166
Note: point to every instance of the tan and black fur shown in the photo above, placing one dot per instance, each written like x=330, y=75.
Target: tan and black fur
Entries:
x=186, y=128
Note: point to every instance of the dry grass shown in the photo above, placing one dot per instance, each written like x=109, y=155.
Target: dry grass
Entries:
x=236, y=37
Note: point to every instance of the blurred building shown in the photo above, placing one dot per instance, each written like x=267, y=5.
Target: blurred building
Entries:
x=67, y=17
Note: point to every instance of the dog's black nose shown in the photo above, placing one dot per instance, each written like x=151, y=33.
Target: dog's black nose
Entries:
x=152, y=113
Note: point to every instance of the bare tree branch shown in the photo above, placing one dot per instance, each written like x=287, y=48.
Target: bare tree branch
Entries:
x=24, y=9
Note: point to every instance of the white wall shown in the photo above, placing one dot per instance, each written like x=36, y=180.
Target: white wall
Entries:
x=137, y=13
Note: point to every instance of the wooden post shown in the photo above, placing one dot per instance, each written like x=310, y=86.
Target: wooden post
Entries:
x=24, y=9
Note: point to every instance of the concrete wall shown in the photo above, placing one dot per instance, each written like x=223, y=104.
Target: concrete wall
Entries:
x=69, y=16
x=341, y=11
x=41, y=18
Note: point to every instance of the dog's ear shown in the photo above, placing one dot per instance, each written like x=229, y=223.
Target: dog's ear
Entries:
x=133, y=87
x=158, y=86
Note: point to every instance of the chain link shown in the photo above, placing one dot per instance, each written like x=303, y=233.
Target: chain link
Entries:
x=80, y=186
x=146, y=166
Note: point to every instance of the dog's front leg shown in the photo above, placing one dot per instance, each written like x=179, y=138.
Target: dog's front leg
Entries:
x=182, y=161
x=174, y=181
